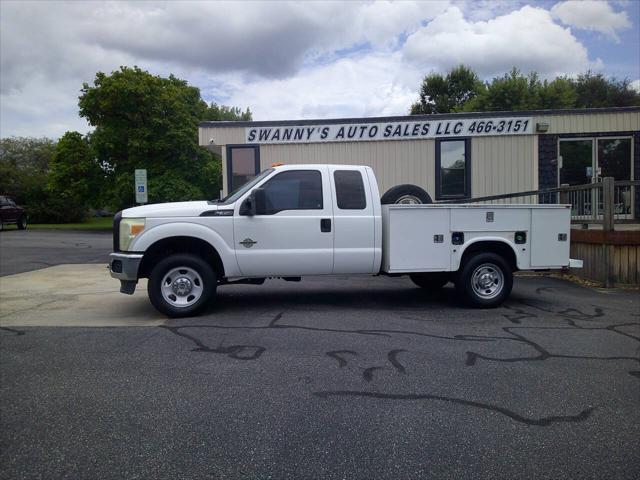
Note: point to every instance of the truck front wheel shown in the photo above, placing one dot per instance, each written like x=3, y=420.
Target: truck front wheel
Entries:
x=181, y=285
x=485, y=280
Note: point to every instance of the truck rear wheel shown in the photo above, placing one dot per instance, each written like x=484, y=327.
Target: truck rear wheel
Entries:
x=406, y=195
x=485, y=280
x=181, y=285
x=430, y=281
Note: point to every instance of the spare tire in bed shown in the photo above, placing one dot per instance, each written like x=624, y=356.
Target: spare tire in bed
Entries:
x=406, y=194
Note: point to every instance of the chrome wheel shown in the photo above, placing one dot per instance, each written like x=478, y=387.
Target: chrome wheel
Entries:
x=487, y=281
x=182, y=287
x=408, y=200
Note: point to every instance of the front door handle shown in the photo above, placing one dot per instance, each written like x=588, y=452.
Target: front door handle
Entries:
x=325, y=225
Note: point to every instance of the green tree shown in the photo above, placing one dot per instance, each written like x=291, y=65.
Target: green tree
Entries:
x=513, y=91
x=144, y=121
x=516, y=91
x=217, y=112
x=24, y=167
x=447, y=93
x=595, y=90
x=147, y=121
x=558, y=93
x=73, y=179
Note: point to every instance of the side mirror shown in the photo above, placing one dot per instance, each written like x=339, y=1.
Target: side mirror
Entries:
x=255, y=203
x=247, y=206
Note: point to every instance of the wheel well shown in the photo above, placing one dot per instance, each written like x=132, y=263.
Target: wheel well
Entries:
x=169, y=246
x=499, y=248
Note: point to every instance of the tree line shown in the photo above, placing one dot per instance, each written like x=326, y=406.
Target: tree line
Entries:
x=140, y=120
x=461, y=90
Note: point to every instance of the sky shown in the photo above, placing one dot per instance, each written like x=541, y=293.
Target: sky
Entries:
x=296, y=60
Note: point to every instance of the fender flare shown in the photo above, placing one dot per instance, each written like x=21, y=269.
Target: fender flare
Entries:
x=188, y=229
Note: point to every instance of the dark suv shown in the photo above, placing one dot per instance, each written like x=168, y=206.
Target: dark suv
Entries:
x=11, y=213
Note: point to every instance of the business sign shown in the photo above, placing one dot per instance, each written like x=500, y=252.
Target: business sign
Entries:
x=359, y=132
x=141, y=186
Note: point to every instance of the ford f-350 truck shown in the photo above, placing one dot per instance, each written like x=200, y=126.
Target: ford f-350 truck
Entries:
x=297, y=220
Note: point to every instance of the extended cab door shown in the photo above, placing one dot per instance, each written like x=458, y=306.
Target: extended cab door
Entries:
x=353, y=213
x=295, y=236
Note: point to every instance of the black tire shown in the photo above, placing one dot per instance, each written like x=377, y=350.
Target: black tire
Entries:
x=430, y=281
x=490, y=294
x=190, y=263
x=402, y=193
x=22, y=223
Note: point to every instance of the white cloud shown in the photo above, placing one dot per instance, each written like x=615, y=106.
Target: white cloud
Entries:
x=283, y=60
x=367, y=85
x=593, y=15
x=526, y=38
x=635, y=85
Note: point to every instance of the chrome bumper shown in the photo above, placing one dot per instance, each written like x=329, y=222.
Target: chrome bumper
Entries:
x=124, y=266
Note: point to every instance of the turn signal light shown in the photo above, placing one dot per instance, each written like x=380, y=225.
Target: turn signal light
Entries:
x=277, y=164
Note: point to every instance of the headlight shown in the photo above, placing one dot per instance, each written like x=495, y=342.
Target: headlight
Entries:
x=129, y=228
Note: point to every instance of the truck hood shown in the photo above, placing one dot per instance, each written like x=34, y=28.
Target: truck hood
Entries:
x=174, y=209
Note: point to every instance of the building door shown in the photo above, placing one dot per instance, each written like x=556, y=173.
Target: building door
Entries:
x=576, y=162
x=243, y=163
x=614, y=159
x=588, y=160
x=576, y=167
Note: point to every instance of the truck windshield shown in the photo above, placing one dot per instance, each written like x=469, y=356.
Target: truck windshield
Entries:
x=236, y=194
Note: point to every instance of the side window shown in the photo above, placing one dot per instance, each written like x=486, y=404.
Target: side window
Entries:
x=3, y=202
x=294, y=190
x=350, y=190
x=452, y=169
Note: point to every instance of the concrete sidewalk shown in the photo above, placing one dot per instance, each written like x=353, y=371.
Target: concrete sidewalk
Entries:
x=72, y=296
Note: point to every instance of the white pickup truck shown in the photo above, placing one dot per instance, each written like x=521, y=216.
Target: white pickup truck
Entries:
x=297, y=220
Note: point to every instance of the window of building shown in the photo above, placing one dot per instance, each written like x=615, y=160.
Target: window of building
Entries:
x=350, y=190
x=452, y=169
x=294, y=190
x=243, y=163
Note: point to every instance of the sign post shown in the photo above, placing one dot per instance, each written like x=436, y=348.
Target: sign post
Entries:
x=141, y=186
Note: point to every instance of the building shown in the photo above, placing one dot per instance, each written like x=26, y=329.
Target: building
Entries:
x=452, y=156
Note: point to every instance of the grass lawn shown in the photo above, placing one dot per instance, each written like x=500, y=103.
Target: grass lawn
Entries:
x=94, y=223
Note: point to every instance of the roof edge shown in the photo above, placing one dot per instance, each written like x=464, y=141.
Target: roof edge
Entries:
x=405, y=118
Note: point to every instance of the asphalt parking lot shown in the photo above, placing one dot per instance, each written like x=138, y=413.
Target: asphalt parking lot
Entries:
x=337, y=377
x=26, y=250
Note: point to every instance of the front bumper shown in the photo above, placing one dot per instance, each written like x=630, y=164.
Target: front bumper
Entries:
x=124, y=266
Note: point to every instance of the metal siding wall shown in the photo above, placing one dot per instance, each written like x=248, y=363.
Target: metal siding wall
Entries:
x=394, y=163
x=222, y=136
x=502, y=165
x=591, y=122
